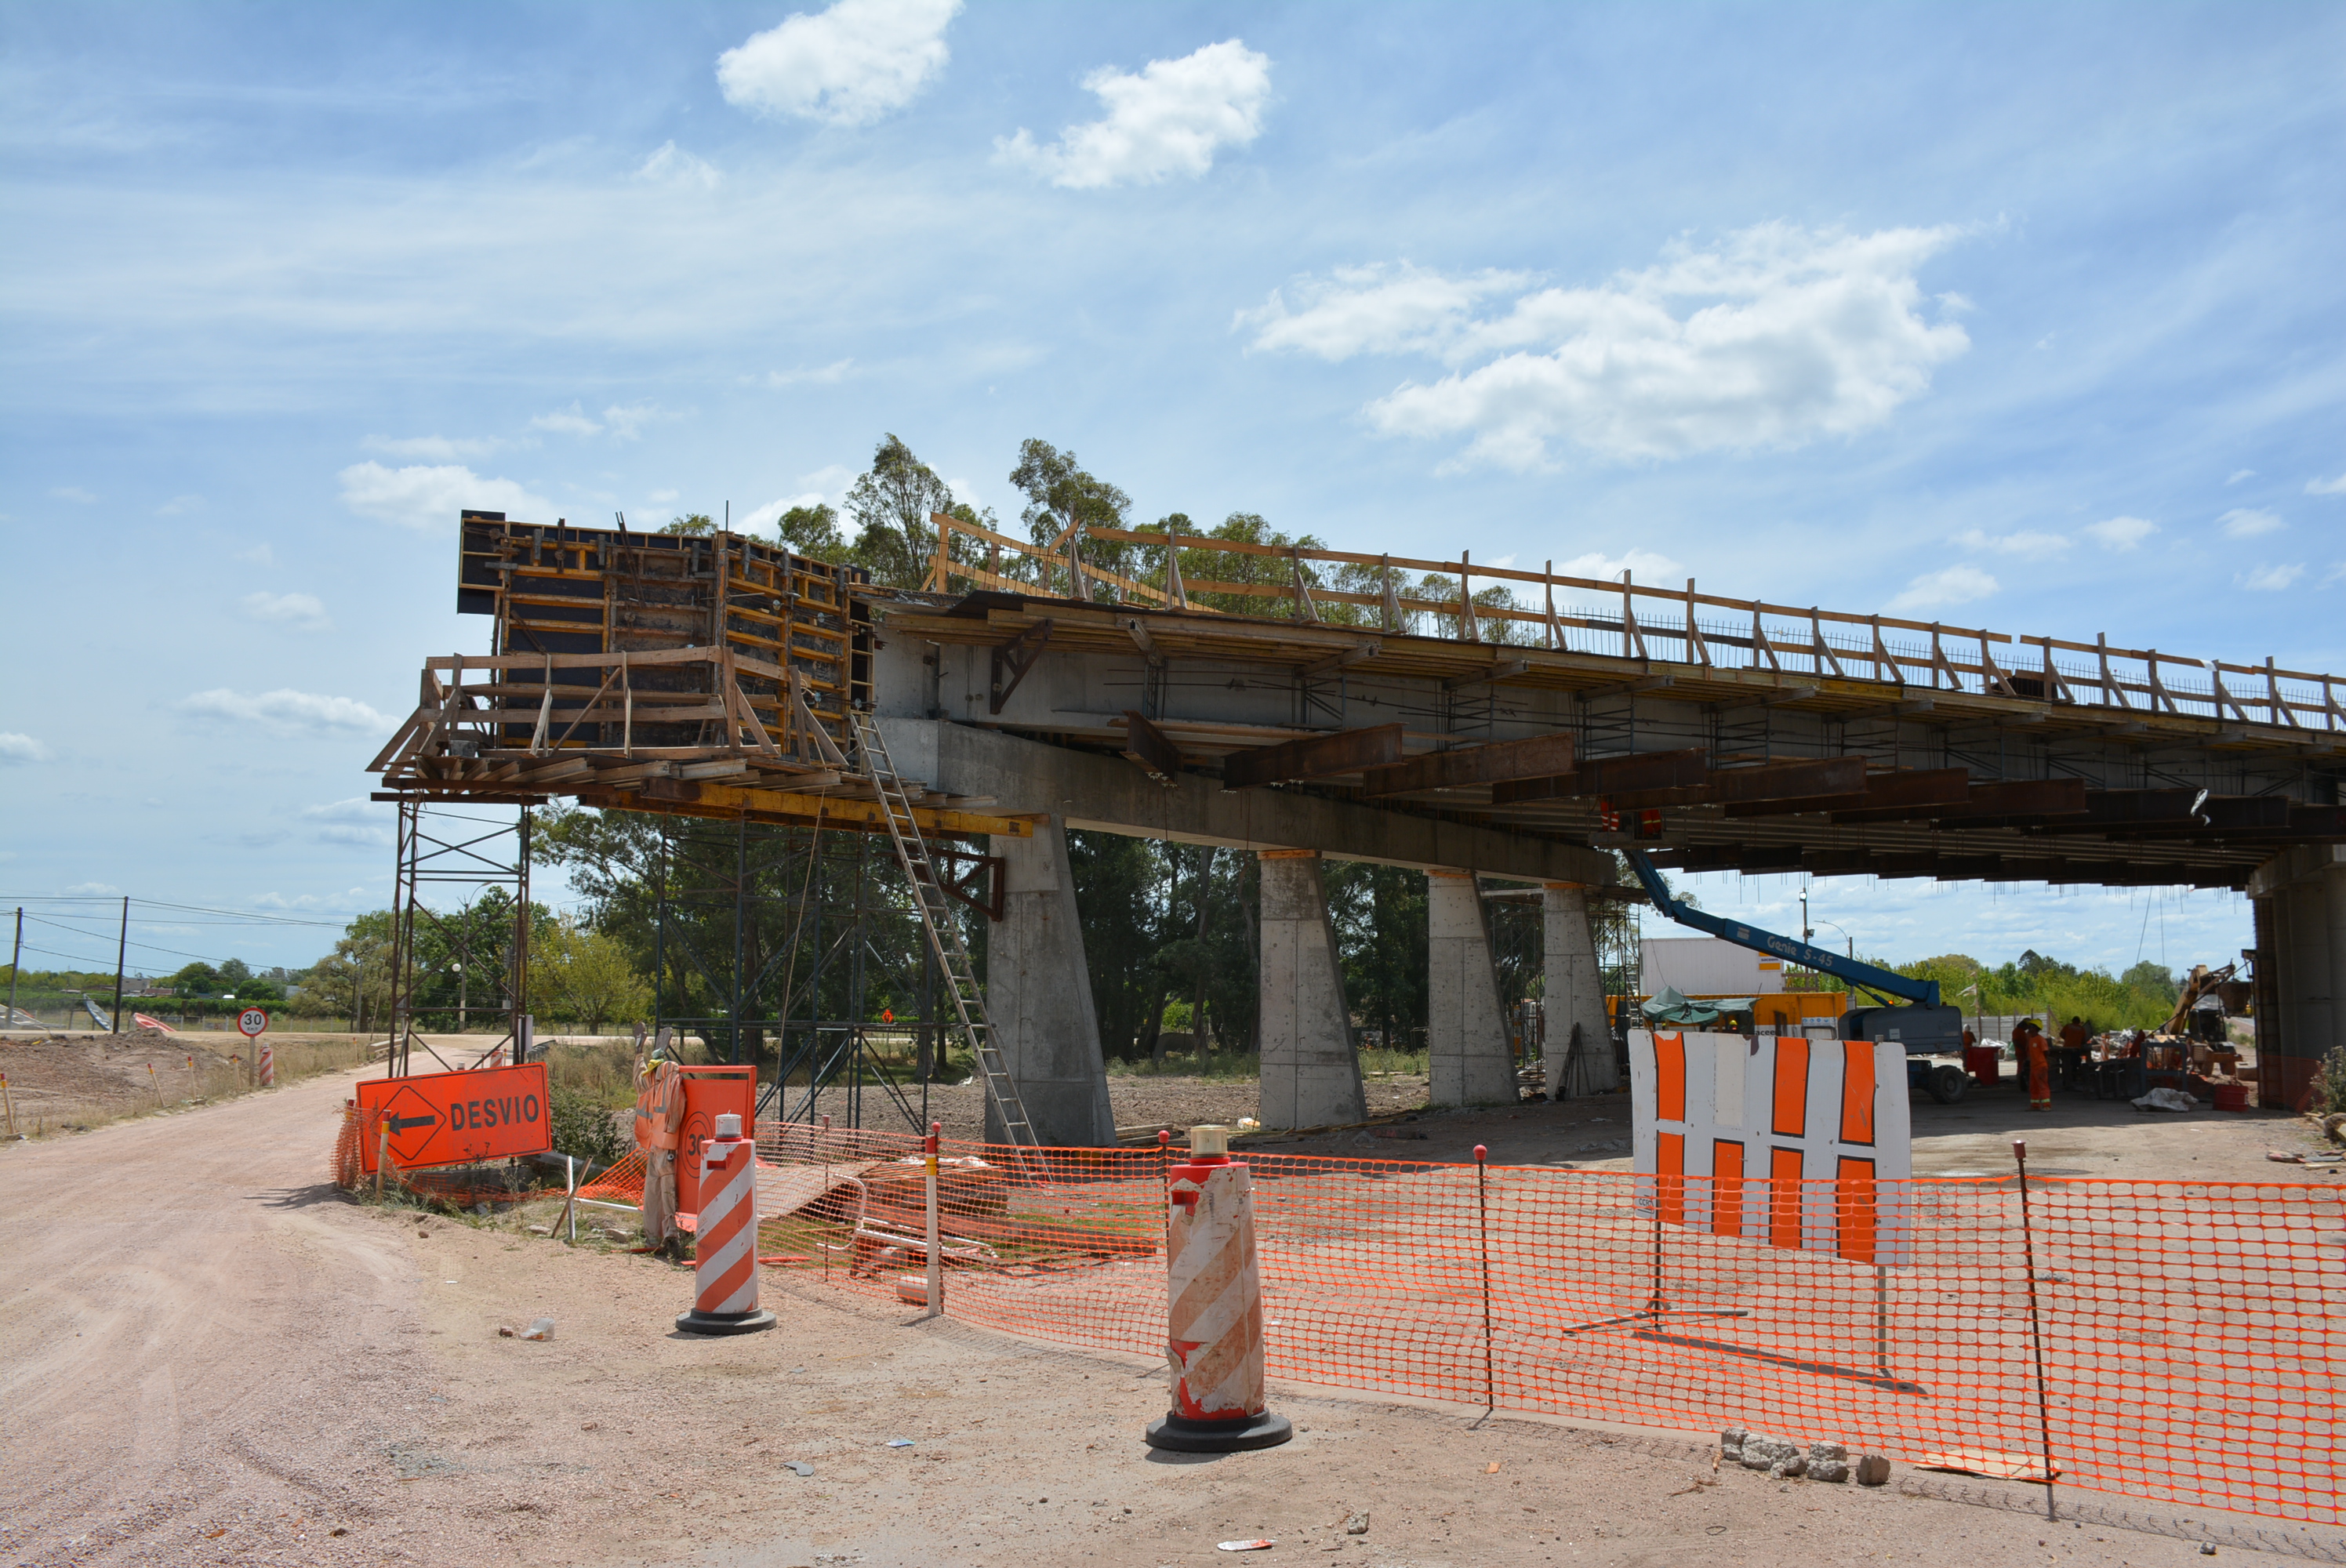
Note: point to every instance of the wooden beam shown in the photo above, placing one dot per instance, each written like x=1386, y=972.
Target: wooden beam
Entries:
x=2026, y=798
x=1541, y=755
x=1149, y=747
x=1612, y=776
x=1314, y=757
x=1915, y=786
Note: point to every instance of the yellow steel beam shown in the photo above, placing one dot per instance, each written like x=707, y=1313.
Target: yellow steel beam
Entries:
x=789, y=806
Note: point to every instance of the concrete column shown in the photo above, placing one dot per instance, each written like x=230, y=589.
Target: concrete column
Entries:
x=1310, y=1072
x=1466, y=1031
x=1039, y=995
x=2308, y=984
x=1575, y=993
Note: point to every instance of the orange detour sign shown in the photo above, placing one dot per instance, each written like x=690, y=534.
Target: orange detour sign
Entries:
x=454, y=1118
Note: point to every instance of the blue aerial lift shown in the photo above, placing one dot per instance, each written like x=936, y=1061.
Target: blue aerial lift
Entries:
x=1923, y=1025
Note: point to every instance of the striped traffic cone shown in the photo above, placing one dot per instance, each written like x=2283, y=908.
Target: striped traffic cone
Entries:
x=266, y=1072
x=1214, y=1328
x=725, y=1254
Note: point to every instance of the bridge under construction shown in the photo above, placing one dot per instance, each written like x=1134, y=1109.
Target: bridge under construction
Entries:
x=1306, y=703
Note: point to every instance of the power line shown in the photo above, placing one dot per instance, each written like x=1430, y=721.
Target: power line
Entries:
x=246, y=917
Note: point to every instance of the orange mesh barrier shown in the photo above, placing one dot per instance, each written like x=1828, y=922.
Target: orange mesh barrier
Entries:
x=2193, y=1335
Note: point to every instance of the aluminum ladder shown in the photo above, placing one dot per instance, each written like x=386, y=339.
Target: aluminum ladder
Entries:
x=944, y=935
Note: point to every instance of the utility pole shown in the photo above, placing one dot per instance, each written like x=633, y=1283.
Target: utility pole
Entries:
x=121, y=952
x=16, y=958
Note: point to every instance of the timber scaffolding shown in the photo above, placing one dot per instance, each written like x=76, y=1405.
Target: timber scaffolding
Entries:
x=716, y=675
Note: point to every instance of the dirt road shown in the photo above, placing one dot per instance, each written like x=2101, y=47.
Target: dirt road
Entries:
x=212, y=1357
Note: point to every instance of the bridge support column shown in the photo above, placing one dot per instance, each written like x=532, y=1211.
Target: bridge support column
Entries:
x=1039, y=995
x=1310, y=1072
x=1466, y=1031
x=2300, y=906
x=1575, y=993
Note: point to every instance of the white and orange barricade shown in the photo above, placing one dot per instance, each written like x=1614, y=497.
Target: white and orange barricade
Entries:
x=725, y=1259
x=1214, y=1324
x=1775, y=1138
x=264, y=1071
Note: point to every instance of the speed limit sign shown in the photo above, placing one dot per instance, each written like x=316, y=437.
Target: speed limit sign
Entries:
x=252, y=1021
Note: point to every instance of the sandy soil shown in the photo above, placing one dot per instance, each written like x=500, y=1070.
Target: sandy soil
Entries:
x=213, y=1359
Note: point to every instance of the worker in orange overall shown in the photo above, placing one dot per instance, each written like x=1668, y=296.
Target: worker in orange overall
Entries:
x=2036, y=1059
x=659, y=1122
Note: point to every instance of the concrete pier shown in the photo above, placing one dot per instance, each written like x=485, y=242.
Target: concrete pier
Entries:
x=1039, y=995
x=1574, y=996
x=1310, y=1072
x=1469, y=1060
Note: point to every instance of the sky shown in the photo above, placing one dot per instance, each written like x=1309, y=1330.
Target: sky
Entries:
x=2017, y=316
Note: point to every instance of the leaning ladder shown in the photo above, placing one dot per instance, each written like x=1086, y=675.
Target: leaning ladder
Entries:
x=944, y=935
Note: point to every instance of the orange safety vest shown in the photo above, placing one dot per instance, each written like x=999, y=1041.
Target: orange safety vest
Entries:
x=660, y=1108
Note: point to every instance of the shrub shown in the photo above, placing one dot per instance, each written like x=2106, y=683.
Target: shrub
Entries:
x=584, y=1128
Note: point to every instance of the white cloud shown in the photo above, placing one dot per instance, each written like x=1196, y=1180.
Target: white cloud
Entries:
x=2326, y=486
x=2022, y=543
x=88, y=890
x=302, y=612
x=73, y=493
x=357, y=820
x=285, y=711
x=1948, y=585
x=1647, y=564
x=431, y=497
x=15, y=750
x=2122, y=533
x=571, y=421
x=179, y=505
x=623, y=422
x=671, y=165
x=1171, y=118
x=1394, y=310
x=2239, y=473
x=439, y=448
x=846, y=66
x=2269, y=580
x=260, y=554
x=2247, y=522
x=825, y=376
x=1774, y=337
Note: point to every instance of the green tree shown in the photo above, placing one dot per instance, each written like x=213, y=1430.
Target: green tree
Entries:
x=579, y=974
x=1380, y=916
x=813, y=531
x=354, y=981
x=691, y=523
x=1062, y=495
x=890, y=506
x=197, y=979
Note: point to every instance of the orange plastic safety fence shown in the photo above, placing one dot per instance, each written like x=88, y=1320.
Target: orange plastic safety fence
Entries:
x=2190, y=1336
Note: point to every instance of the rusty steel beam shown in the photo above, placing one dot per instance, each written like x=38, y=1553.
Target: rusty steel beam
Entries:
x=1542, y=755
x=1151, y=748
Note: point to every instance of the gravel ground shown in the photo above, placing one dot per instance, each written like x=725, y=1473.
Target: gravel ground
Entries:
x=212, y=1358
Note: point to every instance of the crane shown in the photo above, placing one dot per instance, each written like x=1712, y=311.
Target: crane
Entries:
x=1923, y=1025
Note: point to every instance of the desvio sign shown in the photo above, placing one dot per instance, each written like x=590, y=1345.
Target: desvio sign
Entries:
x=456, y=1118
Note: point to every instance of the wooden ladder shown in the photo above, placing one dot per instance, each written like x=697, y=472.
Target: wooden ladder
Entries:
x=944, y=935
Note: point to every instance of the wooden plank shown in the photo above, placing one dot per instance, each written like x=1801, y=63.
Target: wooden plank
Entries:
x=1317, y=756
x=1612, y=776
x=1541, y=755
x=1149, y=747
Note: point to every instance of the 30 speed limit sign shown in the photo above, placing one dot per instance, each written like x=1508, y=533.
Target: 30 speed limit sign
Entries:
x=252, y=1021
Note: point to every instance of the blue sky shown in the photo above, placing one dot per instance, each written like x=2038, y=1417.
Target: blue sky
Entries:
x=2027, y=317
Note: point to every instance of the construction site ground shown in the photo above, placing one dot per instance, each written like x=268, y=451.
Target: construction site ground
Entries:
x=214, y=1357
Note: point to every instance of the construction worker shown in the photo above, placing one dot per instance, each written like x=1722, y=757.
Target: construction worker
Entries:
x=2035, y=1057
x=659, y=1119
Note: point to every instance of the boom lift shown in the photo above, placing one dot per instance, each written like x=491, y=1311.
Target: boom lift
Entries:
x=1923, y=1025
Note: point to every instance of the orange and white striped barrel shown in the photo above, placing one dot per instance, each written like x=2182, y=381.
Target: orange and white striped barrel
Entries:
x=725, y=1238
x=264, y=1071
x=1214, y=1324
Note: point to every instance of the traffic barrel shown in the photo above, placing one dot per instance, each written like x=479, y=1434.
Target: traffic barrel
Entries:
x=1214, y=1326
x=265, y=1070
x=725, y=1254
